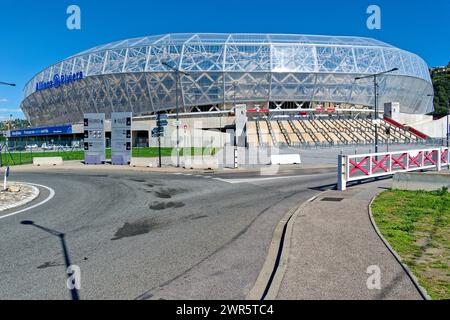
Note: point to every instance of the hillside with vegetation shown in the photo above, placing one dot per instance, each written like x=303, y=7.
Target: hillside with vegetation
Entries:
x=441, y=83
x=15, y=124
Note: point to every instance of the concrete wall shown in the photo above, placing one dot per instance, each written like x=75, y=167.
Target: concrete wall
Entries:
x=434, y=129
x=412, y=119
x=421, y=181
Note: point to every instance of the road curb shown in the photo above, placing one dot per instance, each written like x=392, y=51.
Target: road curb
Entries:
x=34, y=194
x=274, y=267
x=412, y=277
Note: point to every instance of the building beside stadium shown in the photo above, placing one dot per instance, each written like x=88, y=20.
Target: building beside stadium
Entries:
x=208, y=74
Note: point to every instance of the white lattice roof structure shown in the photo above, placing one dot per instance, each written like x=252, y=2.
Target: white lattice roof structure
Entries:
x=132, y=75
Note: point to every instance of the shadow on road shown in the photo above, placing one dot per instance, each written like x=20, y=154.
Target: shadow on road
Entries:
x=61, y=236
x=333, y=186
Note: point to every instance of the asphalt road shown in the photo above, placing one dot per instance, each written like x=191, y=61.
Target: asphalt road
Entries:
x=139, y=235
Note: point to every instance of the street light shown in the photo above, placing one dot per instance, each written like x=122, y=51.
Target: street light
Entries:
x=9, y=123
x=235, y=85
x=7, y=84
x=177, y=79
x=375, y=83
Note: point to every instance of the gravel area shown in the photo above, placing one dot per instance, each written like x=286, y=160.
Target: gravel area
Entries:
x=23, y=194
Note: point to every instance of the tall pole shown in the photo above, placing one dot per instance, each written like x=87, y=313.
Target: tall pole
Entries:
x=177, y=78
x=374, y=76
x=9, y=123
x=234, y=93
x=159, y=138
x=376, y=112
x=7, y=84
x=178, y=120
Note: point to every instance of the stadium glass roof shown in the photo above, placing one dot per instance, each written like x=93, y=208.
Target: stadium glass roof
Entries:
x=132, y=75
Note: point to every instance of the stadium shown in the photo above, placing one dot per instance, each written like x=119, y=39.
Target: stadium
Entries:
x=298, y=89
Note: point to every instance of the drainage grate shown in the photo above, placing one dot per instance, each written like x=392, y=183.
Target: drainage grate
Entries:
x=332, y=199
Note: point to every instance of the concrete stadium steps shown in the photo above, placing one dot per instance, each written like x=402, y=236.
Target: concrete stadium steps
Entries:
x=295, y=139
x=264, y=134
x=278, y=133
x=252, y=134
x=322, y=131
x=297, y=131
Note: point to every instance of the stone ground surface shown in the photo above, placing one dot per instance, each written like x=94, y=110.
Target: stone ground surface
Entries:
x=332, y=246
x=9, y=199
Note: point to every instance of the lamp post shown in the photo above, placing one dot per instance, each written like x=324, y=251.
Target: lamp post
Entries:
x=9, y=123
x=177, y=79
x=235, y=84
x=375, y=83
x=7, y=84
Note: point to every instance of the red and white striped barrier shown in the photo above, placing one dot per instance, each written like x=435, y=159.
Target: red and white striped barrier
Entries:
x=366, y=166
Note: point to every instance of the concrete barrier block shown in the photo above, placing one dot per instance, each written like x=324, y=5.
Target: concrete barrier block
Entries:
x=421, y=181
x=143, y=162
x=281, y=159
x=211, y=163
x=51, y=161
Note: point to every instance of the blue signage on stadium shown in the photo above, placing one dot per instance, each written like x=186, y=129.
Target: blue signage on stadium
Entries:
x=59, y=80
x=59, y=130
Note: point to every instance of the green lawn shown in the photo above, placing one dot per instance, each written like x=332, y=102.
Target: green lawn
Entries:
x=26, y=157
x=417, y=226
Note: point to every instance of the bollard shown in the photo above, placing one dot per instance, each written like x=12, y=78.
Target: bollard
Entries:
x=342, y=173
x=5, y=182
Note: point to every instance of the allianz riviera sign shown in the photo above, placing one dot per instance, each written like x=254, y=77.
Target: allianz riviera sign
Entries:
x=59, y=80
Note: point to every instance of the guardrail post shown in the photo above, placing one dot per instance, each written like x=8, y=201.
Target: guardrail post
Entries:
x=342, y=172
x=445, y=157
x=440, y=151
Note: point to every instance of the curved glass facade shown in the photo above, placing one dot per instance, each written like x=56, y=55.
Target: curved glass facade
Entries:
x=132, y=75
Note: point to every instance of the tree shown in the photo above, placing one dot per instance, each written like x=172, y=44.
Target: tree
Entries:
x=441, y=84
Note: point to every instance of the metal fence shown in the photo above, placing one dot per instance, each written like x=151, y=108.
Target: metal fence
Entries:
x=373, y=165
x=14, y=153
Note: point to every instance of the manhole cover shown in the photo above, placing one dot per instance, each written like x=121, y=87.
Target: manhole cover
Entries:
x=332, y=199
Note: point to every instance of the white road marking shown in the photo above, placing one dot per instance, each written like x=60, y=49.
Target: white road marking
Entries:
x=50, y=197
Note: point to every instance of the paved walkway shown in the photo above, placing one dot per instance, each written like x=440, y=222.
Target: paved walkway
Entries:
x=332, y=246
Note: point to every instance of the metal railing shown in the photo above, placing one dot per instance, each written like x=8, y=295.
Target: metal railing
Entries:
x=373, y=165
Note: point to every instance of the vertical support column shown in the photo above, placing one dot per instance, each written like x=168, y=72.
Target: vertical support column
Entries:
x=342, y=172
x=241, y=124
x=241, y=133
x=447, y=158
x=439, y=159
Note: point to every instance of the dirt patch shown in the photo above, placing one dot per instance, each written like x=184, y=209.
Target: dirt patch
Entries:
x=133, y=229
x=166, y=205
x=199, y=217
x=50, y=265
x=168, y=193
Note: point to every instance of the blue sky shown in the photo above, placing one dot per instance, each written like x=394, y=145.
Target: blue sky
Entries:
x=34, y=35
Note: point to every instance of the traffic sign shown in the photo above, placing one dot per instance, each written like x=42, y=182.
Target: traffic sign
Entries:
x=158, y=130
x=158, y=135
x=163, y=116
x=162, y=123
